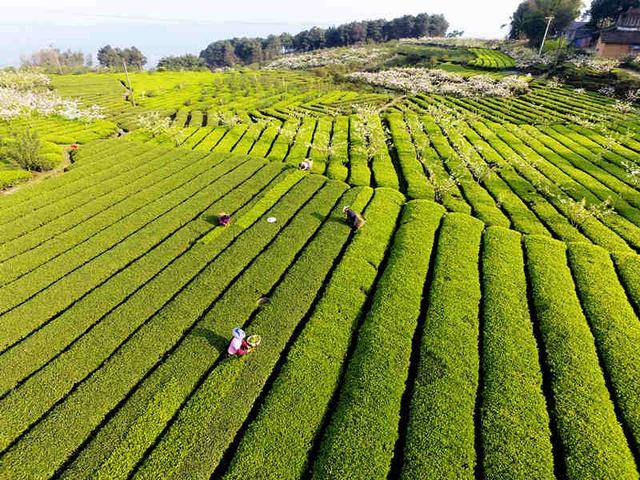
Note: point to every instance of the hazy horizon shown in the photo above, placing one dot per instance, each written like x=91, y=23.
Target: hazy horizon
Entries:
x=175, y=28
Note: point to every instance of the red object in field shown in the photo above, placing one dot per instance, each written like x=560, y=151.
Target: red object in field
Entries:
x=74, y=146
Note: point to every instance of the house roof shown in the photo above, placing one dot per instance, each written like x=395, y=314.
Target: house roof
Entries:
x=624, y=37
x=575, y=25
x=579, y=26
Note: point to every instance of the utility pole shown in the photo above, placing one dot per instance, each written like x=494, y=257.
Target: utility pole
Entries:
x=548, y=19
x=126, y=73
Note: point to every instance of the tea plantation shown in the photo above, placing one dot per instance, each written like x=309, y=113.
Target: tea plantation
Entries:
x=482, y=324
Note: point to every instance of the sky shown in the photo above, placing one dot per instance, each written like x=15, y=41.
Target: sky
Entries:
x=161, y=27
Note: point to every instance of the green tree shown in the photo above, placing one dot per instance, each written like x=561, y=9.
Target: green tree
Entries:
x=530, y=18
x=220, y=54
x=438, y=26
x=271, y=47
x=181, y=62
x=374, y=30
x=133, y=57
x=243, y=51
x=108, y=57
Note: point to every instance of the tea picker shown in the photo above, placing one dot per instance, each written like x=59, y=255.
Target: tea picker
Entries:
x=305, y=165
x=224, y=220
x=239, y=346
x=354, y=219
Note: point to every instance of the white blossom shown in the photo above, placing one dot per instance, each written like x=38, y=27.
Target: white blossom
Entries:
x=554, y=82
x=23, y=80
x=607, y=91
x=598, y=64
x=15, y=102
x=334, y=56
x=623, y=106
x=419, y=80
x=453, y=42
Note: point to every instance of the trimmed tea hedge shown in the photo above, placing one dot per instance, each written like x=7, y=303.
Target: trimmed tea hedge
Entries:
x=280, y=438
x=593, y=443
x=440, y=434
x=360, y=438
x=513, y=407
x=615, y=328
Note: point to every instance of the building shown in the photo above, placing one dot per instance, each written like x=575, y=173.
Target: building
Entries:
x=580, y=35
x=623, y=38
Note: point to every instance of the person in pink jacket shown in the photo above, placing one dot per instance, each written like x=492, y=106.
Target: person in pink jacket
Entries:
x=238, y=345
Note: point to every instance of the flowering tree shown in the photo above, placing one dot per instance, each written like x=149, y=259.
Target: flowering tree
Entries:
x=321, y=58
x=14, y=102
x=23, y=80
x=419, y=80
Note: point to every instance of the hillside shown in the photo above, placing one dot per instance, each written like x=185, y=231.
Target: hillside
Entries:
x=482, y=324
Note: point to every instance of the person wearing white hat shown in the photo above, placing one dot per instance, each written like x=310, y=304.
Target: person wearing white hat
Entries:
x=238, y=345
x=305, y=165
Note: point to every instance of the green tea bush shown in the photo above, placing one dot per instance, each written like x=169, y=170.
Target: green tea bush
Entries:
x=593, y=443
x=9, y=178
x=360, y=439
x=26, y=152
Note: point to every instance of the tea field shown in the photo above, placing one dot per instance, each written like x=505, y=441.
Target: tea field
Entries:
x=484, y=323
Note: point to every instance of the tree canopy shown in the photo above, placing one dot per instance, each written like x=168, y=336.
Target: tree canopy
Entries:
x=181, y=62
x=224, y=53
x=603, y=12
x=530, y=18
x=53, y=60
x=112, y=57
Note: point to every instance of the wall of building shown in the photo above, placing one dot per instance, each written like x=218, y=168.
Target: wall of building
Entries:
x=612, y=50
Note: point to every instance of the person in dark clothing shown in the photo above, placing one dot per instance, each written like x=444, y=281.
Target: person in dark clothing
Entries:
x=224, y=220
x=354, y=219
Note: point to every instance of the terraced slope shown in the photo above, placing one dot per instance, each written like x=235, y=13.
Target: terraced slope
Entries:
x=483, y=324
x=566, y=182
x=491, y=59
x=427, y=345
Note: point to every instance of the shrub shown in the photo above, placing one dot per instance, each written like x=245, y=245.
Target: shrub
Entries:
x=513, y=407
x=119, y=374
x=628, y=265
x=229, y=389
x=440, y=435
x=280, y=438
x=614, y=325
x=26, y=151
x=412, y=170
